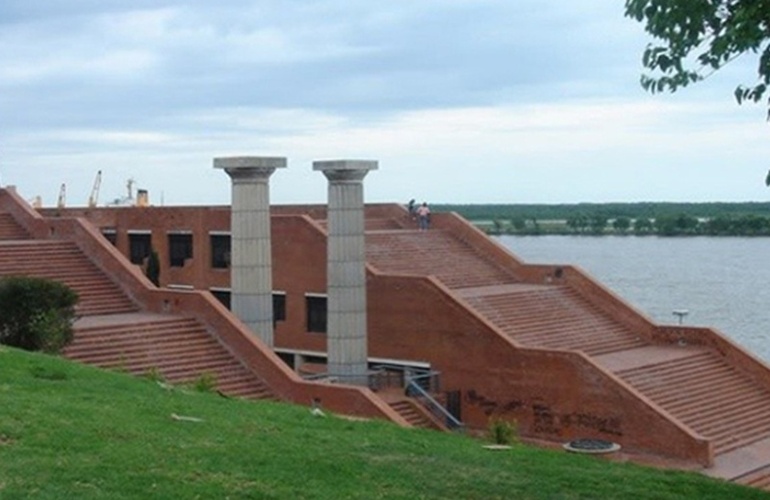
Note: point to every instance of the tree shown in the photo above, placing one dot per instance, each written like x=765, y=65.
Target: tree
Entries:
x=37, y=313
x=621, y=224
x=697, y=37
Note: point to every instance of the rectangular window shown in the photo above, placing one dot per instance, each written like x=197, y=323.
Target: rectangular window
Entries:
x=111, y=235
x=222, y=296
x=140, y=246
x=180, y=248
x=279, y=307
x=220, y=251
x=316, y=313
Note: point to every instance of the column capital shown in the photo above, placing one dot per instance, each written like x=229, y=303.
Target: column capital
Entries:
x=345, y=170
x=246, y=168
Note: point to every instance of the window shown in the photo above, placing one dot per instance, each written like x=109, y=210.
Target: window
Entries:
x=110, y=234
x=316, y=313
x=140, y=246
x=279, y=307
x=220, y=251
x=180, y=248
x=222, y=296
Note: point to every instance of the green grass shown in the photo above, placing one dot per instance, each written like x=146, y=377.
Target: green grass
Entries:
x=71, y=431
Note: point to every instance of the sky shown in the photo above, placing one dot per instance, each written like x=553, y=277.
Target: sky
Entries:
x=460, y=101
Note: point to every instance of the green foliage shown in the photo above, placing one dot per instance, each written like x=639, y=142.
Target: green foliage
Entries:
x=662, y=219
x=694, y=38
x=154, y=374
x=206, y=382
x=153, y=268
x=621, y=224
x=503, y=431
x=37, y=314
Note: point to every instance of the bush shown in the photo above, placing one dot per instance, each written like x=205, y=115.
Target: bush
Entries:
x=206, y=382
x=37, y=313
x=503, y=431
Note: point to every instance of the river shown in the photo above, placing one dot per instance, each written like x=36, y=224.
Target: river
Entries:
x=723, y=283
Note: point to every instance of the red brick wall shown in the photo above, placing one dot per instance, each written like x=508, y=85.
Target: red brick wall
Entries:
x=552, y=395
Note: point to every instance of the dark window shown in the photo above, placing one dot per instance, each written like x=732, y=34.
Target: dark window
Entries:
x=111, y=235
x=222, y=296
x=279, y=307
x=287, y=358
x=140, y=246
x=316, y=314
x=220, y=251
x=180, y=248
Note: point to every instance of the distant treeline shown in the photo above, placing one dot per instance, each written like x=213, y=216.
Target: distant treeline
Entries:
x=665, y=219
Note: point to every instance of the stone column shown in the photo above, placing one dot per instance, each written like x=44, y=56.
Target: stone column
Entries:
x=346, y=270
x=251, y=272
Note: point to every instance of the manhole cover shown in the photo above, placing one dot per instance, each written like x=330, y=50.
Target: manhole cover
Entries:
x=591, y=446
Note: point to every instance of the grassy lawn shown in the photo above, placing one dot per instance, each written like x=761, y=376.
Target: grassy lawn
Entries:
x=71, y=431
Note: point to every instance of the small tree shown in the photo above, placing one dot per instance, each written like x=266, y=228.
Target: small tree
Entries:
x=37, y=314
x=153, y=268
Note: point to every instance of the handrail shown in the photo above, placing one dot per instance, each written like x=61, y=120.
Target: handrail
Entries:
x=433, y=406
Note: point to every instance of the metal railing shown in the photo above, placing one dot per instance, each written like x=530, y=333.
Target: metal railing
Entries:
x=415, y=390
x=418, y=383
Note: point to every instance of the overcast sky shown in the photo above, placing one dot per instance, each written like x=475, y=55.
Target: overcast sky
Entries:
x=461, y=101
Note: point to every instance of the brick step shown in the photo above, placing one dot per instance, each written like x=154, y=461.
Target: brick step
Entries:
x=689, y=372
x=141, y=330
x=136, y=325
x=695, y=378
x=717, y=408
x=728, y=445
x=569, y=335
x=176, y=347
x=756, y=425
x=696, y=390
x=414, y=417
x=174, y=368
x=411, y=415
x=246, y=387
x=680, y=364
x=729, y=404
x=574, y=322
x=758, y=478
x=133, y=333
x=84, y=310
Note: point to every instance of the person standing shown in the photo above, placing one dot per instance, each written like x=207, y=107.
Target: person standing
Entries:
x=423, y=216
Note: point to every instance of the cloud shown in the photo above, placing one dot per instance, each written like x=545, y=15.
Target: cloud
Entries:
x=484, y=100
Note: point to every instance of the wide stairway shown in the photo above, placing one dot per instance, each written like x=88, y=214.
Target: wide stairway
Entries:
x=434, y=252
x=62, y=261
x=112, y=332
x=695, y=385
x=177, y=349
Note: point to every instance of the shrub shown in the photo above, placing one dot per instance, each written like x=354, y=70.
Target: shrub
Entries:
x=206, y=382
x=154, y=374
x=503, y=431
x=37, y=313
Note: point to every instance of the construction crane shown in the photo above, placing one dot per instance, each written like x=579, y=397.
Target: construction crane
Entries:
x=62, y=196
x=94, y=198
